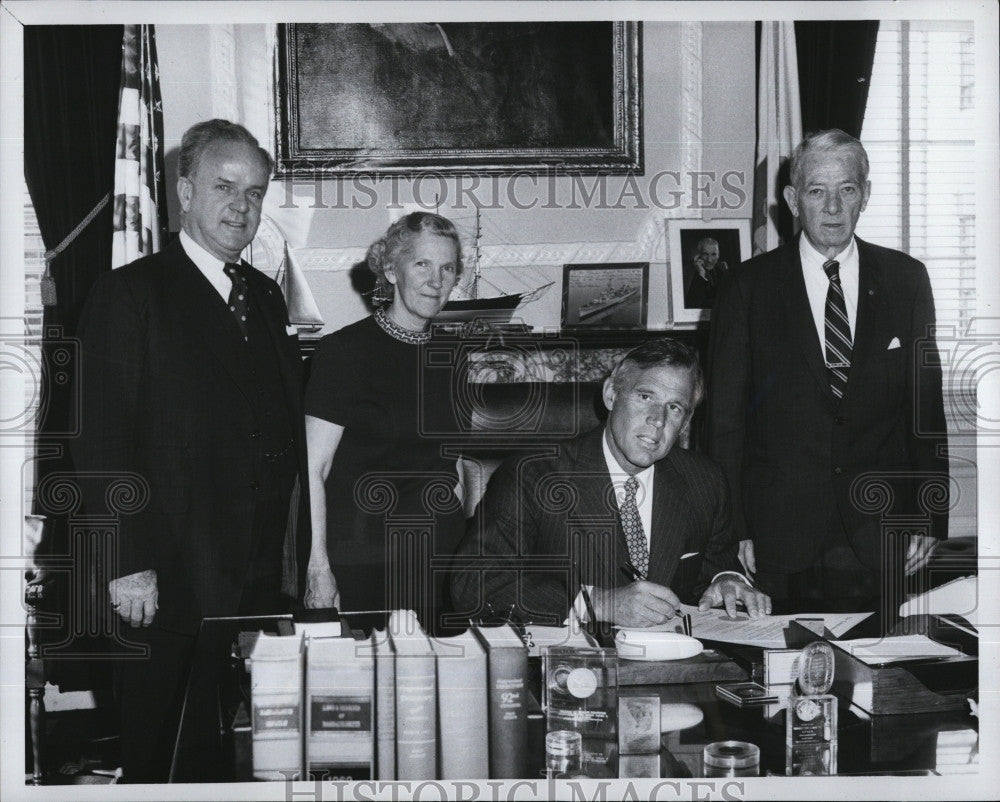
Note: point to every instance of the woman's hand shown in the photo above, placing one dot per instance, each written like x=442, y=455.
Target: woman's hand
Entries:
x=321, y=588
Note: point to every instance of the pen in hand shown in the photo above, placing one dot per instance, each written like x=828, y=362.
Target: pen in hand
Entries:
x=631, y=573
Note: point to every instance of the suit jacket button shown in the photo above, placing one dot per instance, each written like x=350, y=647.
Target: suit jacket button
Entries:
x=840, y=420
x=254, y=435
x=255, y=487
x=838, y=471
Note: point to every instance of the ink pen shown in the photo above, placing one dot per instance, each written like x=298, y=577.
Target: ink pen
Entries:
x=631, y=574
x=592, y=625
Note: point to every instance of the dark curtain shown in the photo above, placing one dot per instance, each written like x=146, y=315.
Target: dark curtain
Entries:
x=72, y=75
x=835, y=71
x=71, y=79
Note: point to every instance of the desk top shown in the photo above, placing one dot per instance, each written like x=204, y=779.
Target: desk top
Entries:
x=693, y=716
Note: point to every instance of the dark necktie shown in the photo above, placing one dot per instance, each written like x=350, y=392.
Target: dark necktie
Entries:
x=238, y=296
x=637, y=549
x=838, y=331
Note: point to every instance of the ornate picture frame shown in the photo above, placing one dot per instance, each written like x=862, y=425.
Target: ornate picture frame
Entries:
x=485, y=97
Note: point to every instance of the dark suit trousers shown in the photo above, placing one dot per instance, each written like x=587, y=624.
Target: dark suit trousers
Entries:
x=151, y=691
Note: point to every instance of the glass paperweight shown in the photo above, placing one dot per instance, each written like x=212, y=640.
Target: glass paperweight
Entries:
x=563, y=752
x=731, y=759
x=811, y=718
x=580, y=690
x=816, y=668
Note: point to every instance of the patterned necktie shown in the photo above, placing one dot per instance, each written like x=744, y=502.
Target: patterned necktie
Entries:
x=637, y=549
x=238, y=296
x=838, y=331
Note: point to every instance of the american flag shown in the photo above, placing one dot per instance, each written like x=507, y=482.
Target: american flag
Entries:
x=140, y=198
x=779, y=127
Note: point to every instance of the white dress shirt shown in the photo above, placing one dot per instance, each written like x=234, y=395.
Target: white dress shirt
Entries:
x=817, y=284
x=210, y=266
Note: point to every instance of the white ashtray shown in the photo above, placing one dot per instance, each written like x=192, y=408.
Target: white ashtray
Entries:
x=638, y=644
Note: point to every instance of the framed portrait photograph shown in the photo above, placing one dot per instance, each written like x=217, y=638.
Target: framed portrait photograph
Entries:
x=605, y=296
x=484, y=97
x=700, y=253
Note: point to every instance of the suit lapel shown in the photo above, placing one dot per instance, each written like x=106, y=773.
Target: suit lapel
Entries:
x=266, y=306
x=596, y=508
x=802, y=325
x=206, y=317
x=670, y=518
x=871, y=317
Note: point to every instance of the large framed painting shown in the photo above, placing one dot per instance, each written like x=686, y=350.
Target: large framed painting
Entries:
x=482, y=97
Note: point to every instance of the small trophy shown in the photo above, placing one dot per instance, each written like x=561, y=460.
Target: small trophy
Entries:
x=811, y=721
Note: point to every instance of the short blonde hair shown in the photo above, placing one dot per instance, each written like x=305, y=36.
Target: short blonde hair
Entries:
x=385, y=251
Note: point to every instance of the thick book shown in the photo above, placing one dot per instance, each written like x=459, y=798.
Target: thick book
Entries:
x=507, y=675
x=416, y=702
x=463, y=731
x=276, y=669
x=340, y=709
x=385, y=706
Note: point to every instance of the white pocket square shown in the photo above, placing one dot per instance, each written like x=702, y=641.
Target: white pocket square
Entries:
x=293, y=330
x=690, y=554
x=893, y=344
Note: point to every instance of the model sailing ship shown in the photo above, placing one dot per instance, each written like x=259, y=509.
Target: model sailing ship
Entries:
x=486, y=313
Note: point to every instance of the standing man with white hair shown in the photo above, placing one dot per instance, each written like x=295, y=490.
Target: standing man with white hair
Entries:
x=824, y=375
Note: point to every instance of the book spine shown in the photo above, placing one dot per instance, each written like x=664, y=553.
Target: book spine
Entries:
x=340, y=717
x=508, y=719
x=277, y=727
x=385, y=711
x=462, y=709
x=416, y=717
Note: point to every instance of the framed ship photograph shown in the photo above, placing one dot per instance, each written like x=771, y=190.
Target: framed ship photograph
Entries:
x=701, y=252
x=483, y=97
x=605, y=296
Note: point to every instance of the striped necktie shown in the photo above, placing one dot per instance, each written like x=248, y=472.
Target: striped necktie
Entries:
x=638, y=550
x=838, y=331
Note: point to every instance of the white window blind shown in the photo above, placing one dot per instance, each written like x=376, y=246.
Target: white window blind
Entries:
x=920, y=136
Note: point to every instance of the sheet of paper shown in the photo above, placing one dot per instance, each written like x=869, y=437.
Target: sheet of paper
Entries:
x=876, y=651
x=960, y=597
x=767, y=632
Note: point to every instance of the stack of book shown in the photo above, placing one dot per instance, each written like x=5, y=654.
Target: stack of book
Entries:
x=397, y=706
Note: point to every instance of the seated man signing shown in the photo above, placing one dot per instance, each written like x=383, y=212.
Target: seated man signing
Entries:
x=642, y=525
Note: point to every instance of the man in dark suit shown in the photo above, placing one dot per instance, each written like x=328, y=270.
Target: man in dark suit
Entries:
x=620, y=511
x=825, y=403
x=190, y=384
x=701, y=289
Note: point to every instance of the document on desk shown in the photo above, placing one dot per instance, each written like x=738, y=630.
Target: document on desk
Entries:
x=958, y=597
x=878, y=651
x=767, y=632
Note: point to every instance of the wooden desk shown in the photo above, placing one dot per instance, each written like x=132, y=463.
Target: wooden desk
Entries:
x=900, y=744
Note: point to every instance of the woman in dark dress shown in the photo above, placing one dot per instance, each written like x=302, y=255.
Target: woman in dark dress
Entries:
x=385, y=515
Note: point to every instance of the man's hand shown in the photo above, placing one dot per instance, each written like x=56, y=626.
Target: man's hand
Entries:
x=134, y=597
x=918, y=552
x=747, y=559
x=641, y=604
x=321, y=588
x=727, y=590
